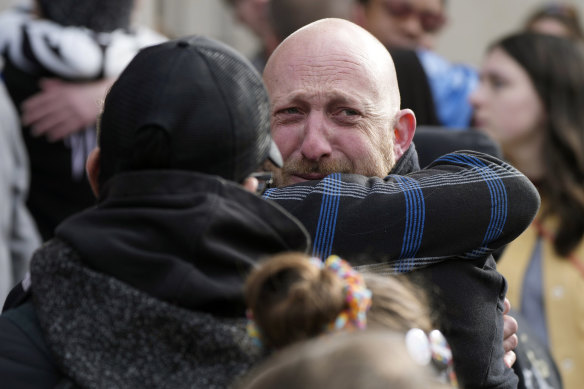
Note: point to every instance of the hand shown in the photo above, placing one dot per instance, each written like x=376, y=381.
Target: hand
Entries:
x=62, y=108
x=251, y=184
x=510, y=340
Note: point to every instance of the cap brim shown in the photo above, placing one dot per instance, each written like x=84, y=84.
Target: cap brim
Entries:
x=274, y=155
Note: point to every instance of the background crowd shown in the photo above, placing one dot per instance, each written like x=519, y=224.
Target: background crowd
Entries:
x=120, y=200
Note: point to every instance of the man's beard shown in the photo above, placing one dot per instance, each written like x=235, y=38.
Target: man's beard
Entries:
x=283, y=177
x=376, y=165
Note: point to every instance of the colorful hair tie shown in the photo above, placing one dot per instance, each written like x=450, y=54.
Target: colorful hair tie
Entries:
x=357, y=296
x=252, y=329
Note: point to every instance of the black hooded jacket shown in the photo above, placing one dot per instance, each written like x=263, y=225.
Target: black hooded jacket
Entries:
x=145, y=290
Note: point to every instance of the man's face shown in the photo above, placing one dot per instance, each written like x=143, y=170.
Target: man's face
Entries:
x=329, y=114
x=404, y=23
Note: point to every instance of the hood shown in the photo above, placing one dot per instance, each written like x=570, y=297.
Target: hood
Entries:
x=185, y=238
x=103, y=333
x=407, y=163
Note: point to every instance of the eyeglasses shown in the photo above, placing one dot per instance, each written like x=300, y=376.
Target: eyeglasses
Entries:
x=430, y=21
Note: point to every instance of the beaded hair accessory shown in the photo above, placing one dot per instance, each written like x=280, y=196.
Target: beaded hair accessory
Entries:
x=432, y=349
x=252, y=329
x=357, y=297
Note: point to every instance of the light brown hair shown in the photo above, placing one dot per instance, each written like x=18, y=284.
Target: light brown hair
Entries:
x=293, y=300
x=365, y=360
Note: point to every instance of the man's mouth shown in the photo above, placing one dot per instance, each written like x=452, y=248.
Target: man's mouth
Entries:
x=310, y=176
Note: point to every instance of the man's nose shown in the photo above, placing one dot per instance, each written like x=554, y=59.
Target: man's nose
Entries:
x=316, y=142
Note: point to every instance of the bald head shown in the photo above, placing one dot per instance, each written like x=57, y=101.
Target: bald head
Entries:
x=337, y=39
x=335, y=103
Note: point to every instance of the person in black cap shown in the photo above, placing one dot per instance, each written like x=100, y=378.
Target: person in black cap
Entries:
x=145, y=289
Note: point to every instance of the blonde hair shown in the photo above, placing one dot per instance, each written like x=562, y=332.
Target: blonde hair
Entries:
x=368, y=360
x=396, y=304
x=293, y=300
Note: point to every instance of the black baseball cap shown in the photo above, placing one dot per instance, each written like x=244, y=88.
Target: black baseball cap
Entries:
x=205, y=97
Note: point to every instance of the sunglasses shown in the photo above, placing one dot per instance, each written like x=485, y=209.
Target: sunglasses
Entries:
x=430, y=21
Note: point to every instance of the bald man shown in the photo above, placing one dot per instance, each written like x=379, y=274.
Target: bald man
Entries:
x=336, y=119
x=359, y=97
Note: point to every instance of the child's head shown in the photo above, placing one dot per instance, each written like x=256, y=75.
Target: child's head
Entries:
x=292, y=299
x=369, y=359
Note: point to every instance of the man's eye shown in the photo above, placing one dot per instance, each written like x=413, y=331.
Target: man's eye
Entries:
x=349, y=112
x=290, y=111
x=346, y=113
x=288, y=115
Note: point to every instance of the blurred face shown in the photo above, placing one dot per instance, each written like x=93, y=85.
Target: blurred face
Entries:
x=253, y=14
x=550, y=26
x=330, y=111
x=404, y=23
x=506, y=103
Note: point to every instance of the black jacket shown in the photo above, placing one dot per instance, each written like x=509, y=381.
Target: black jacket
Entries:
x=452, y=215
x=54, y=193
x=145, y=290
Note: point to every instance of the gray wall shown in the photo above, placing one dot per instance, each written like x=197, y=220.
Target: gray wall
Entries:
x=473, y=24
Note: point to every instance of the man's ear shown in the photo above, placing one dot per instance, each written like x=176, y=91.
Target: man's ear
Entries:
x=92, y=168
x=405, y=126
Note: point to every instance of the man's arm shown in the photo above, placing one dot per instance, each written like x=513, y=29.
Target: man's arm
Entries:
x=452, y=214
x=465, y=204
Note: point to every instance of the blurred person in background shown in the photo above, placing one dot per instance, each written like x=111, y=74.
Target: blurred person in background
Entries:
x=416, y=25
x=287, y=16
x=530, y=99
x=253, y=14
x=556, y=18
x=60, y=58
x=18, y=234
x=272, y=21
